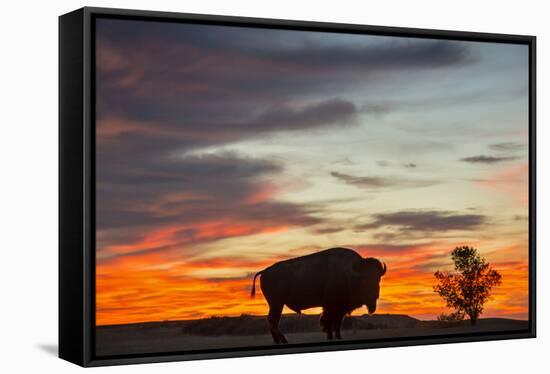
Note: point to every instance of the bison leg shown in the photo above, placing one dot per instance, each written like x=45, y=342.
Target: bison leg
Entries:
x=329, y=332
x=332, y=323
x=323, y=321
x=337, y=325
x=327, y=323
x=273, y=318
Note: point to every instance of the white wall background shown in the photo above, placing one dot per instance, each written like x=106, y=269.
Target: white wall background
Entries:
x=28, y=197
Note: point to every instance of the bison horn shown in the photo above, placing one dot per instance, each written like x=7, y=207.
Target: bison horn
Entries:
x=384, y=268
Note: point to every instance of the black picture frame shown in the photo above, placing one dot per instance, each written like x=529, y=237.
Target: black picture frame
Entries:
x=77, y=185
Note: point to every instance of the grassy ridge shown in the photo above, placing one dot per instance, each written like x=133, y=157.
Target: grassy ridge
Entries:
x=257, y=325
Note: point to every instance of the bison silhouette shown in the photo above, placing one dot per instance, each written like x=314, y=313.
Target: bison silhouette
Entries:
x=337, y=279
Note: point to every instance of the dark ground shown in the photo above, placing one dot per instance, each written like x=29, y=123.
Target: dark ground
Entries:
x=247, y=331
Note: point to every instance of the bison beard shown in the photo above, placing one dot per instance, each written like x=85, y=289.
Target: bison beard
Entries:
x=338, y=279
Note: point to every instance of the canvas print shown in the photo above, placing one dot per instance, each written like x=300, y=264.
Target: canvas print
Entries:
x=263, y=187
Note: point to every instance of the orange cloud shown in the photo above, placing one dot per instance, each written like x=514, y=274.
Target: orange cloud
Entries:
x=205, y=231
x=145, y=288
x=150, y=287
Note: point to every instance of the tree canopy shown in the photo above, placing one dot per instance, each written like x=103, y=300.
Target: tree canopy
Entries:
x=468, y=288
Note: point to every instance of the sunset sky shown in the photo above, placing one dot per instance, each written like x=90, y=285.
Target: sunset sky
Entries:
x=221, y=150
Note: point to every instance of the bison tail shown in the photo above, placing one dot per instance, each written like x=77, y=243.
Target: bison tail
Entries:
x=253, y=291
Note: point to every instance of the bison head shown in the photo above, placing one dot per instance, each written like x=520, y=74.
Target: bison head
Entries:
x=369, y=272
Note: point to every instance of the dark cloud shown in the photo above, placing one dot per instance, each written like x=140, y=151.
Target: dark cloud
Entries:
x=199, y=198
x=507, y=146
x=377, y=183
x=146, y=178
x=377, y=109
x=366, y=182
x=142, y=164
x=389, y=249
x=133, y=140
x=190, y=170
x=395, y=234
x=419, y=55
x=329, y=230
x=518, y=217
x=299, y=47
x=291, y=49
x=323, y=113
x=425, y=221
x=483, y=159
x=345, y=161
x=230, y=72
x=384, y=163
x=166, y=92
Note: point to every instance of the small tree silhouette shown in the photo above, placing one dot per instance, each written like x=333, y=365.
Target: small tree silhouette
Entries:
x=469, y=287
